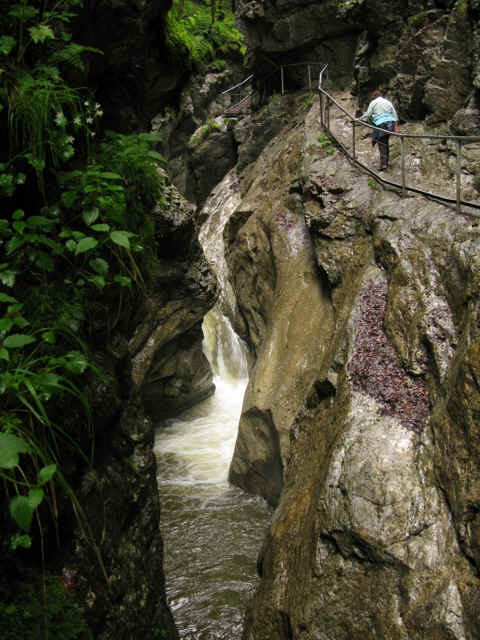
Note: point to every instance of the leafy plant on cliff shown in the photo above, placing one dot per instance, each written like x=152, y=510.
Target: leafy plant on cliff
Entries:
x=72, y=224
x=205, y=130
x=203, y=32
x=40, y=612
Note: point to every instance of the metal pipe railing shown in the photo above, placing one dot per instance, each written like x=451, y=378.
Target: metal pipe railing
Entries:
x=325, y=99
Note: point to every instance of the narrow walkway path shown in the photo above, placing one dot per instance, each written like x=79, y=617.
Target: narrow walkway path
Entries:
x=430, y=165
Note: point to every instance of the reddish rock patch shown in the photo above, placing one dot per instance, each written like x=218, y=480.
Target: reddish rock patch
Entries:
x=375, y=368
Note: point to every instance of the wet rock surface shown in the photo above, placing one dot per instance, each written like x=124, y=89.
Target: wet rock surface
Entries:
x=422, y=54
x=157, y=368
x=359, y=421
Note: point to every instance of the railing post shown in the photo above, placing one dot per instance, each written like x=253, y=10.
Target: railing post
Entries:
x=281, y=75
x=459, y=173
x=402, y=149
x=320, y=96
x=309, y=79
x=353, y=138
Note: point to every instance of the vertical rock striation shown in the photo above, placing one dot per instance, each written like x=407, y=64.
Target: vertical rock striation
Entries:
x=360, y=419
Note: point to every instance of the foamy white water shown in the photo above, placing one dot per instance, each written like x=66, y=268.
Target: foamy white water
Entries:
x=203, y=439
x=212, y=531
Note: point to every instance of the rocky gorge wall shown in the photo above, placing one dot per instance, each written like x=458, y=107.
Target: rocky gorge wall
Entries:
x=359, y=421
x=154, y=367
x=423, y=54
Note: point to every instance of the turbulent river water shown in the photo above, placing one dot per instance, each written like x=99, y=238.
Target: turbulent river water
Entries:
x=212, y=531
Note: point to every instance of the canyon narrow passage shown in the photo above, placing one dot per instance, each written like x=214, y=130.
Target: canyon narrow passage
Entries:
x=212, y=531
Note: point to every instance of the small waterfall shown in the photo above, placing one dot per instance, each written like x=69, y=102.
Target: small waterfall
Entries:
x=222, y=347
x=212, y=531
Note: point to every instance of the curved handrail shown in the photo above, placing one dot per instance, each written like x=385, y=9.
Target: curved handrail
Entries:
x=238, y=85
x=459, y=140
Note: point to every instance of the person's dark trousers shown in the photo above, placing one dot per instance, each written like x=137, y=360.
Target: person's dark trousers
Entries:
x=383, y=143
x=383, y=148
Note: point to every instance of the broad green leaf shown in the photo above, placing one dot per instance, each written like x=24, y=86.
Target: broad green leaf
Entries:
x=7, y=43
x=49, y=337
x=14, y=308
x=101, y=227
x=4, y=355
x=15, y=243
x=18, y=214
x=22, y=512
x=20, y=540
x=122, y=238
x=156, y=156
x=68, y=198
x=50, y=379
x=10, y=448
x=46, y=473
x=5, y=298
x=36, y=163
x=7, y=277
x=23, y=12
x=78, y=235
x=35, y=497
x=123, y=281
x=98, y=281
x=99, y=265
x=17, y=340
x=71, y=245
x=90, y=216
x=6, y=324
x=76, y=362
x=40, y=221
x=86, y=244
x=19, y=226
x=110, y=175
x=41, y=32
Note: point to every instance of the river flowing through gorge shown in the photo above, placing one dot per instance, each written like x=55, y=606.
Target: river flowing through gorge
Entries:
x=212, y=531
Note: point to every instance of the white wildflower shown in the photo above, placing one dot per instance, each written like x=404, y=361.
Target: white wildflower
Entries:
x=60, y=119
x=97, y=106
x=86, y=103
x=89, y=120
x=77, y=121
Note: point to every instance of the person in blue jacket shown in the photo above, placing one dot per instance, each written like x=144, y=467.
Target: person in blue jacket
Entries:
x=381, y=113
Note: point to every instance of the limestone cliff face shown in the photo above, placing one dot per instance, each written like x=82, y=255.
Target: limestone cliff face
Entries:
x=423, y=54
x=360, y=419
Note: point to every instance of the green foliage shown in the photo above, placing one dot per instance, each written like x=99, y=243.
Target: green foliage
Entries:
x=204, y=131
x=307, y=101
x=75, y=221
x=326, y=144
x=39, y=101
x=40, y=612
x=372, y=184
x=202, y=32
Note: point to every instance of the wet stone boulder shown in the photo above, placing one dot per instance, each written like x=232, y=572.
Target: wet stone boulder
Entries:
x=360, y=419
